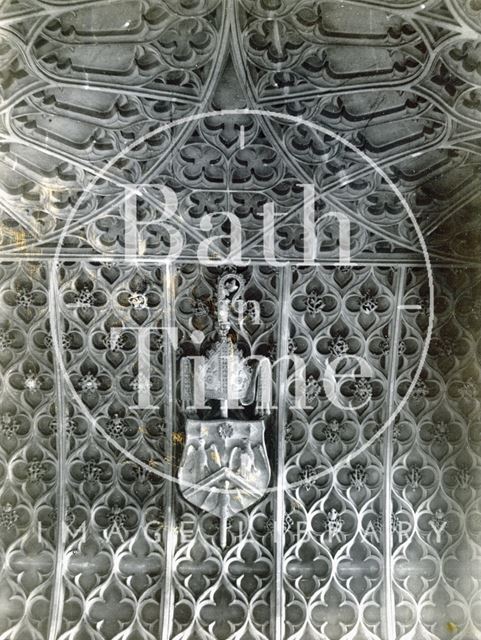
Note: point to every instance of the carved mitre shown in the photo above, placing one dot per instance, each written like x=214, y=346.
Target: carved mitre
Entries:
x=224, y=468
x=224, y=373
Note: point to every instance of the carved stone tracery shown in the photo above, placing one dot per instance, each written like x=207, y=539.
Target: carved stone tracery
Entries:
x=121, y=552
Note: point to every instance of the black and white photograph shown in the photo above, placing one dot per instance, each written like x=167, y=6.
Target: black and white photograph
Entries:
x=240, y=320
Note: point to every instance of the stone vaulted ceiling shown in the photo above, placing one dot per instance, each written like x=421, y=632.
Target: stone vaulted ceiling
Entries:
x=360, y=536
x=82, y=82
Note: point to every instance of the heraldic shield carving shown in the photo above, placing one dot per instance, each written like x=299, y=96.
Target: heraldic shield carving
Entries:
x=225, y=468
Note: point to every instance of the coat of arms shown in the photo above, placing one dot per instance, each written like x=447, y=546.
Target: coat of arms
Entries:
x=225, y=468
